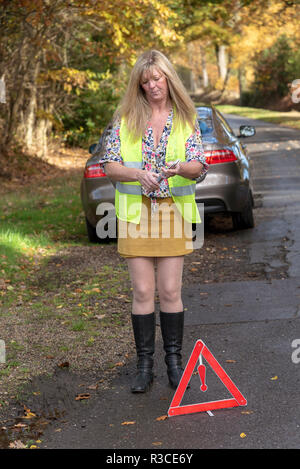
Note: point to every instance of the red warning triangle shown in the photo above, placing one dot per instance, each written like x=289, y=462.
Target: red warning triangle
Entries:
x=200, y=349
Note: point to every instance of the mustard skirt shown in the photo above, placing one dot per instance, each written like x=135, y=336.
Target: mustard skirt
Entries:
x=163, y=233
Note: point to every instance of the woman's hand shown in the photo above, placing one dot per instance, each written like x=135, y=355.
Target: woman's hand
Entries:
x=118, y=172
x=148, y=180
x=167, y=172
x=189, y=170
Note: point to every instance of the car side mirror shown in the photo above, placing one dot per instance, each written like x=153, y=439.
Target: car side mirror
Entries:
x=92, y=148
x=247, y=131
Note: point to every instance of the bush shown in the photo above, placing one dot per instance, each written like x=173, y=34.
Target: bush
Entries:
x=274, y=70
x=91, y=111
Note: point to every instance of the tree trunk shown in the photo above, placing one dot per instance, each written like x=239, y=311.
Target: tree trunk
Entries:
x=222, y=61
x=12, y=121
x=240, y=78
x=16, y=95
x=42, y=137
x=192, y=77
x=30, y=119
x=204, y=68
x=43, y=128
x=227, y=75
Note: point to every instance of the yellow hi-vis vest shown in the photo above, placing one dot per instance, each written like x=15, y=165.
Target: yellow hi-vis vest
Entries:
x=128, y=197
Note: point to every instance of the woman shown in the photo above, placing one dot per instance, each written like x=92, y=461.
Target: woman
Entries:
x=154, y=125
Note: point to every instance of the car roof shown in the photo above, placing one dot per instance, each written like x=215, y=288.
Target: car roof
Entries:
x=205, y=106
x=204, y=109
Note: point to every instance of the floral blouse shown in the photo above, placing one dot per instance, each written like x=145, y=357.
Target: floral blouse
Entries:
x=154, y=159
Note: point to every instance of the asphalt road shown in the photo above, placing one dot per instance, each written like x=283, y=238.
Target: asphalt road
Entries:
x=251, y=327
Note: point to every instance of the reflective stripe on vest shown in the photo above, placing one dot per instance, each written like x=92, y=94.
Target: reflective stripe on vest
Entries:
x=133, y=164
x=178, y=191
x=125, y=188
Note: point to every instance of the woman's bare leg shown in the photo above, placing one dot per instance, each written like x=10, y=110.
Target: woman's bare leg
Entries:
x=169, y=283
x=142, y=274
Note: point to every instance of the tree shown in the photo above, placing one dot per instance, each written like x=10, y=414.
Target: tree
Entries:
x=273, y=73
x=237, y=29
x=54, y=50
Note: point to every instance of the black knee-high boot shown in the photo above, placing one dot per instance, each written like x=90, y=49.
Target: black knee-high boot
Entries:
x=172, y=333
x=144, y=335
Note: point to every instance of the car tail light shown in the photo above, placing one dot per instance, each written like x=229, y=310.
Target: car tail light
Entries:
x=219, y=156
x=94, y=171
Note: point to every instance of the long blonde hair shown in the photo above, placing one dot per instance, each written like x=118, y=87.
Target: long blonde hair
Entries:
x=134, y=107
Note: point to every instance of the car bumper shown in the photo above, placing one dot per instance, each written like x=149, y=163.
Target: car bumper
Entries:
x=220, y=191
x=225, y=189
x=96, y=197
x=227, y=198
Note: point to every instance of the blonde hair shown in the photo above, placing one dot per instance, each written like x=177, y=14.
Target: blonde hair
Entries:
x=134, y=107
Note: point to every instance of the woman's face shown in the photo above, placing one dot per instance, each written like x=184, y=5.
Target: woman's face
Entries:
x=155, y=85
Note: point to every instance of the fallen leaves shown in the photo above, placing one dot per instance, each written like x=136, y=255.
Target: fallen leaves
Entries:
x=82, y=396
x=119, y=364
x=17, y=444
x=133, y=422
x=93, y=386
x=28, y=413
x=162, y=417
x=93, y=290
x=20, y=425
x=64, y=365
x=5, y=284
x=100, y=316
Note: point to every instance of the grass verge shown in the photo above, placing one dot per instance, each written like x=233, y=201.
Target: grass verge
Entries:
x=289, y=119
x=62, y=299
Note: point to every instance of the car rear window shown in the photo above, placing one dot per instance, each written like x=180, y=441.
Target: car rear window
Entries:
x=206, y=125
x=205, y=121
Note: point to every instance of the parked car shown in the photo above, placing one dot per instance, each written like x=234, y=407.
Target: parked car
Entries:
x=225, y=189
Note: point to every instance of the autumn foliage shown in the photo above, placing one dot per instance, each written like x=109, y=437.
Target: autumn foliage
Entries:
x=65, y=63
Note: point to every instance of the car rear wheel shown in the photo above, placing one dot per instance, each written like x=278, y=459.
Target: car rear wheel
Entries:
x=245, y=219
x=94, y=238
x=91, y=232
